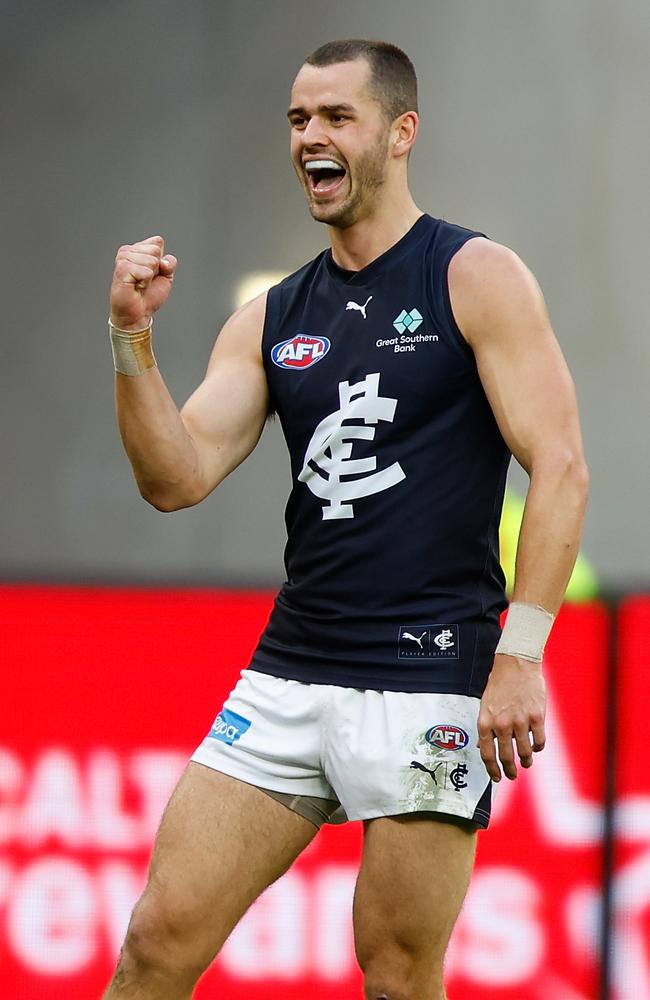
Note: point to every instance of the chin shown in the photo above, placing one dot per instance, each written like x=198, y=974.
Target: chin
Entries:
x=341, y=216
x=320, y=213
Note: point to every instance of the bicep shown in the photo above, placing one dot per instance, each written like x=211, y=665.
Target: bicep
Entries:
x=226, y=414
x=526, y=379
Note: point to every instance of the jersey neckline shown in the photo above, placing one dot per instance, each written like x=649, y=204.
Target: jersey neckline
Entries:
x=375, y=266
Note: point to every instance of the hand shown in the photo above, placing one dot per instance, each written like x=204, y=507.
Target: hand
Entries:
x=142, y=281
x=512, y=707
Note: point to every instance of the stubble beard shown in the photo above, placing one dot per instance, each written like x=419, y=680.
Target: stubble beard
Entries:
x=370, y=177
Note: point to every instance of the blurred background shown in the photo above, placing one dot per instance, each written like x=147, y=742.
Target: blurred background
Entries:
x=124, y=120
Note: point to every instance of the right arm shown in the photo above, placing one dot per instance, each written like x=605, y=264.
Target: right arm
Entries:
x=178, y=458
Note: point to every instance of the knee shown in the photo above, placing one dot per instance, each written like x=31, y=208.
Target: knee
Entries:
x=384, y=988
x=401, y=977
x=158, y=947
x=144, y=944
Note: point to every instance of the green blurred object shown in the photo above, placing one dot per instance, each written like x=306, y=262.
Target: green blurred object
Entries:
x=583, y=585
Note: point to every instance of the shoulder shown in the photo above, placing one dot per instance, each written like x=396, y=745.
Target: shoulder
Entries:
x=489, y=285
x=249, y=318
x=241, y=334
x=481, y=264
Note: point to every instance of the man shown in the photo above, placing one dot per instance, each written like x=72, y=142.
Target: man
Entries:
x=405, y=364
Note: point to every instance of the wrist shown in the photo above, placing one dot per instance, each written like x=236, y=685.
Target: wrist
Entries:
x=132, y=350
x=525, y=632
x=124, y=326
x=510, y=661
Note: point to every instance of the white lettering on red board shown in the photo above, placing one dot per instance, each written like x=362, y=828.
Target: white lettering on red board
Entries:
x=59, y=913
x=81, y=804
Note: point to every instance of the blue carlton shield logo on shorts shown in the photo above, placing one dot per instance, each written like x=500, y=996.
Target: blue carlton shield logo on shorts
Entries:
x=228, y=726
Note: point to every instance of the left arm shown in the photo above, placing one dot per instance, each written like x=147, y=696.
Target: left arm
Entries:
x=500, y=309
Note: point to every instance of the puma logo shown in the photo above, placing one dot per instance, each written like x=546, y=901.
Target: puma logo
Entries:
x=416, y=765
x=361, y=309
x=407, y=635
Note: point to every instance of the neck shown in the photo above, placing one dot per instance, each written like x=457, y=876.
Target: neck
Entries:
x=361, y=243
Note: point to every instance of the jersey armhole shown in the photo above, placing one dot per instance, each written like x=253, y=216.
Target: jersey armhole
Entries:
x=271, y=323
x=451, y=319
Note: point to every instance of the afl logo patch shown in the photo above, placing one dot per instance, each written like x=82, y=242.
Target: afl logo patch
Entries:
x=301, y=351
x=447, y=737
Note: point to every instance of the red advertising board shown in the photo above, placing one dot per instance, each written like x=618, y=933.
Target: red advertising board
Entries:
x=106, y=692
x=631, y=883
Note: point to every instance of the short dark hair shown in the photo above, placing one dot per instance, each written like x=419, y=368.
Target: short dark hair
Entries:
x=392, y=74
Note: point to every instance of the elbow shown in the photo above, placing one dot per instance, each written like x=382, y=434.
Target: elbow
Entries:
x=569, y=470
x=168, y=499
x=577, y=473
x=583, y=473
x=577, y=486
x=166, y=505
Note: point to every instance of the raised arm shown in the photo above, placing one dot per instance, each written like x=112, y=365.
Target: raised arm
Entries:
x=179, y=457
x=500, y=310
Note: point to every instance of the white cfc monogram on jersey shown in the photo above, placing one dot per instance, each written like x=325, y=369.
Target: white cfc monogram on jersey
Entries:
x=328, y=455
x=444, y=639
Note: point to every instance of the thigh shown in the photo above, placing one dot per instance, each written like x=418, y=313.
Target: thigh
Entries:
x=221, y=842
x=413, y=879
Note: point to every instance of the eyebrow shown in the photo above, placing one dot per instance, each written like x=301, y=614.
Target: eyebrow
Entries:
x=329, y=108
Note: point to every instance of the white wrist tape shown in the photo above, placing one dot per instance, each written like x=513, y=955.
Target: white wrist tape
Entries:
x=132, y=352
x=525, y=632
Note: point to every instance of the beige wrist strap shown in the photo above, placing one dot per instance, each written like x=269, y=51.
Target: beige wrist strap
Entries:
x=525, y=632
x=132, y=352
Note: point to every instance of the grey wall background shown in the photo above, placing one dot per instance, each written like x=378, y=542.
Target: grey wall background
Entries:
x=124, y=119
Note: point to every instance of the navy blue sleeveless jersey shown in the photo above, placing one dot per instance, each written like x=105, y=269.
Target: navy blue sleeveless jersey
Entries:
x=398, y=468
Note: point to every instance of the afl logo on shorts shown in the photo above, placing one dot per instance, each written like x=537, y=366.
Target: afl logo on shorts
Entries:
x=301, y=351
x=447, y=737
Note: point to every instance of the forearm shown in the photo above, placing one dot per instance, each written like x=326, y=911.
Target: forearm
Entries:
x=159, y=447
x=551, y=530
x=180, y=457
x=156, y=440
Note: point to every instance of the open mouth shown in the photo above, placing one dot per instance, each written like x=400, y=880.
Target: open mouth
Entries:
x=324, y=176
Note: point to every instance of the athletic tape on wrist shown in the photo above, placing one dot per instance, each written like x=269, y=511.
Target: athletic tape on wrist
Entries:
x=132, y=352
x=525, y=632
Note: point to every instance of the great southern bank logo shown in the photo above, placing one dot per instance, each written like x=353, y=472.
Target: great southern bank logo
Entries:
x=407, y=321
x=300, y=351
x=228, y=726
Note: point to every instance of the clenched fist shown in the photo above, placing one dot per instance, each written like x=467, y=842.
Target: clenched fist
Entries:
x=142, y=280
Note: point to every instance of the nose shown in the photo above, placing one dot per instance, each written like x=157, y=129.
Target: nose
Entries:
x=314, y=133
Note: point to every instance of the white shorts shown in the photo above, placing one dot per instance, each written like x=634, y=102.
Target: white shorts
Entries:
x=359, y=753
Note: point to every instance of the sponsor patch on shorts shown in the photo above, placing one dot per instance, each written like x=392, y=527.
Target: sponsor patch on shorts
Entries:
x=427, y=642
x=447, y=737
x=229, y=727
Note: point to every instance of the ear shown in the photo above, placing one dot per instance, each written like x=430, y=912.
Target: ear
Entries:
x=405, y=130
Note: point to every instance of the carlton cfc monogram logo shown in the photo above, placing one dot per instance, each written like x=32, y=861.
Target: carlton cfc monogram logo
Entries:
x=327, y=459
x=300, y=351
